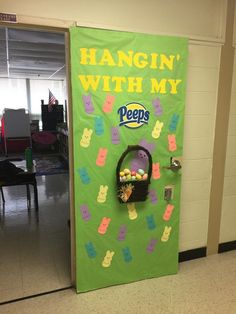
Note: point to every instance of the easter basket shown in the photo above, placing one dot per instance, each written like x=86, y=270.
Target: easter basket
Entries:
x=133, y=191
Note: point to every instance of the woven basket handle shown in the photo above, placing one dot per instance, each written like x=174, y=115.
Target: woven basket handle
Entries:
x=129, y=149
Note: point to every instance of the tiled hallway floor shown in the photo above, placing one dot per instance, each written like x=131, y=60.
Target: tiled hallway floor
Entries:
x=35, y=256
x=206, y=285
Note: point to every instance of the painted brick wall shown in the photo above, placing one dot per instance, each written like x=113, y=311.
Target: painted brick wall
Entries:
x=202, y=87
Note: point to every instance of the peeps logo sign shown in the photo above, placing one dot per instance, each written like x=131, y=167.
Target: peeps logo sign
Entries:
x=133, y=115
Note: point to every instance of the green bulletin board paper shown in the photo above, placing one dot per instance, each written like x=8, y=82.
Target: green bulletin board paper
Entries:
x=120, y=243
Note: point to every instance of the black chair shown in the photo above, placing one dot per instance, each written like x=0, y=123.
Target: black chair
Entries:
x=50, y=118
x=10, y=175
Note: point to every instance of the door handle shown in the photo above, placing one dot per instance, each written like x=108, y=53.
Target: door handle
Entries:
x=174, y=166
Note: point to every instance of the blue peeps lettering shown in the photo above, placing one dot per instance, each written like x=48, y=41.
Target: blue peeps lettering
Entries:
x=139, y=116
x=133, y=115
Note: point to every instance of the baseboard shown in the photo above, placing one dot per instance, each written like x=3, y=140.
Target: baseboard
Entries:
x=35, y=295
x=192, y=254
x=227, y=246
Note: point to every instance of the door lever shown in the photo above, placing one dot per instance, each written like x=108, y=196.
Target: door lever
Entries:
x=174, y=165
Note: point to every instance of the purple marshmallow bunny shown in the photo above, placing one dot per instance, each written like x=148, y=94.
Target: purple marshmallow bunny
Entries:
x=157, y=106
x=122, y=233
x=88, y=105
x=141, y=159
x=151, y=245
x=153, y=196
x=85, y=212
x=115, y=136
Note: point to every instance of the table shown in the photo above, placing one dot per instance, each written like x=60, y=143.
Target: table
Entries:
x=27, y=178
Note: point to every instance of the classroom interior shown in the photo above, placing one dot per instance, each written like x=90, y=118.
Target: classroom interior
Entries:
x=35, y=244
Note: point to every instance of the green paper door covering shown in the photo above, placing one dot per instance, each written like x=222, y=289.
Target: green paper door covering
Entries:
x=112, y=72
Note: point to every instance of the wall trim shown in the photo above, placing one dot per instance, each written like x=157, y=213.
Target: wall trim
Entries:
x=42, y=21
x=227, y=246
x=192, y=254
x=217, y=40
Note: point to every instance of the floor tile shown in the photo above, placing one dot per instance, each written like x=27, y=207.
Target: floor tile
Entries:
x=31, y=244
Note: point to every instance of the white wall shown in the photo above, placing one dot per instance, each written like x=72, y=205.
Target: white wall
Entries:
x=202, y=19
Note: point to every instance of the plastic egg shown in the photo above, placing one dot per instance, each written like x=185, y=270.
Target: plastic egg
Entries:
x=122, y=173
x=128, y=177
x=133, y=178
x=145, y=176
x=133, y=173
x=141, y=171
x=126, y=171
x=138, y=176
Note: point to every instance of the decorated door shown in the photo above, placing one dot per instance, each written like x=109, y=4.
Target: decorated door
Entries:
x=128, y=93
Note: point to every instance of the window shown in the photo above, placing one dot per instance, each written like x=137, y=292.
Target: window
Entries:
x=13, y=94
x=39, y=91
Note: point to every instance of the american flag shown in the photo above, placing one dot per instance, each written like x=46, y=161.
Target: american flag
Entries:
x=51, y=100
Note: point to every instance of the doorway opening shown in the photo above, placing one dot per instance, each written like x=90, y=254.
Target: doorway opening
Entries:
x=35, y=245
